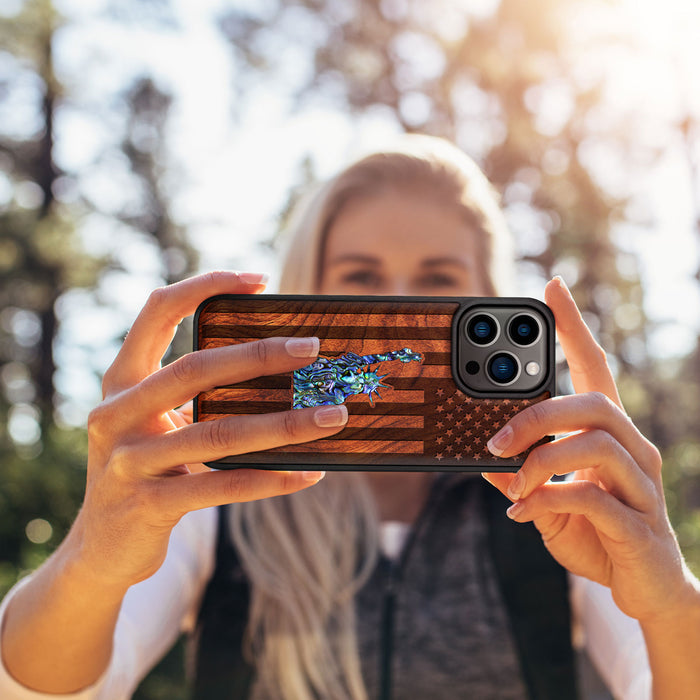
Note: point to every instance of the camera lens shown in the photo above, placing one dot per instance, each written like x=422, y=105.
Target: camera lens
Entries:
x=482, y=329
x=503, y=368
x=524, y=330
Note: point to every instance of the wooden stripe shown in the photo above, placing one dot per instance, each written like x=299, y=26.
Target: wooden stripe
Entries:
x=427, y=372
x=371, y=433
x=378, y=422
x=278, y=381
x=250, y=407
x=416, y=422
x=442, y=359
x=348, y=446
x=359, y=346
x=240, y=407
x=235, y=393
x=266, y=304
x=318, y=319
x=387, y=333
x=373, y=346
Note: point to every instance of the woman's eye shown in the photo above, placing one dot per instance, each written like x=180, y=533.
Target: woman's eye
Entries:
x=363, y=278
x=437, y=280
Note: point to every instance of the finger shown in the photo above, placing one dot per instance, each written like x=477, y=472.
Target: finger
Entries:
x=180, y=418
x=187, y=411
x=594, y=449
x=608, y=515
x=587, y=361
x=498, y=479
x=585, y=557
x=501, y=480
x=155, y=326
x=184, y=415
x=182, y=379
x=189, y=492
x=233, y=435
x=568, y=414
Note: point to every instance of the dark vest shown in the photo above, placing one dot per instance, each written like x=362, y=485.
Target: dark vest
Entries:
x=533, y=595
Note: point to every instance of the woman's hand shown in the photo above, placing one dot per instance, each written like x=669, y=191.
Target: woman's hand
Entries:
x=145, y=458
x=145, y=472
x=609, y=523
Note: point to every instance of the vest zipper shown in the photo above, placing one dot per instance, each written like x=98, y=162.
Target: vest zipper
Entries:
x=395, y=571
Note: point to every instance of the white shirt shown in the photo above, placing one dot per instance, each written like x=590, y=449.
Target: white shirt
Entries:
x=156, y=611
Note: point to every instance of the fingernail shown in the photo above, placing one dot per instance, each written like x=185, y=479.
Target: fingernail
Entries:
x=515, y=510
x=331, y=416
x=313, y=477
x=500, y=442
x=303, y=347
x=516, y=486
x=253, y=277
x=560, y=281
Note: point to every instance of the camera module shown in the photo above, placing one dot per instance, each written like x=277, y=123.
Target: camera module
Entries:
x=482, y=329
x=503, y=368
x=504, y=347
x=524, y=330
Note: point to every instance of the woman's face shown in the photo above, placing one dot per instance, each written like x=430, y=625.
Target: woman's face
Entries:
x=399, y=243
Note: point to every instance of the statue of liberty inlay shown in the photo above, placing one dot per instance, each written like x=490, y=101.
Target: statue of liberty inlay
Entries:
x=330, y=381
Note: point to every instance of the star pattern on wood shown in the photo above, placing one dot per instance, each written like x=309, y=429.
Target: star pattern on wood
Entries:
x=462, y=425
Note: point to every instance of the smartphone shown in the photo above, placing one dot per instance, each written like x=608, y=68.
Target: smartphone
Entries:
x=426, y=380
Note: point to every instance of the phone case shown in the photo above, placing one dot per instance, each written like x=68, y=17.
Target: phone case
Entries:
x=391, y=360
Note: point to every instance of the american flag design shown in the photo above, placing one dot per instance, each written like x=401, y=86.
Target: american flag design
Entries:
x=422, y=421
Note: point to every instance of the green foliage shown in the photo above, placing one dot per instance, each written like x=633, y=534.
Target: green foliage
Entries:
x=41, y=482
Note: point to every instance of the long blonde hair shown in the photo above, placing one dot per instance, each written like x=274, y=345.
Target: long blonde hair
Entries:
x=307, y=554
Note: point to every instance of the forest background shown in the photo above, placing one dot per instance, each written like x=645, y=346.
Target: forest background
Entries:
x=142, y=141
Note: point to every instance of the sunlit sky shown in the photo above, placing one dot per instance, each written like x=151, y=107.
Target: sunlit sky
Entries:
x=232, y=176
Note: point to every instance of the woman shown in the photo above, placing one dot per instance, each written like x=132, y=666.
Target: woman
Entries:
x=418, y=221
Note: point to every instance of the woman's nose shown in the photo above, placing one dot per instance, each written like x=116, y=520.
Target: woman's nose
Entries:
x=398, y=287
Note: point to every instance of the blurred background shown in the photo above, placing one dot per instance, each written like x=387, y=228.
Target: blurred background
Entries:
x=144, y=141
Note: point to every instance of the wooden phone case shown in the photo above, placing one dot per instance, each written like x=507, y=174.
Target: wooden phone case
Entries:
x=389, y=359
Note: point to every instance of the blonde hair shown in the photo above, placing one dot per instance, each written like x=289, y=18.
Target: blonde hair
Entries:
x=307, y=554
